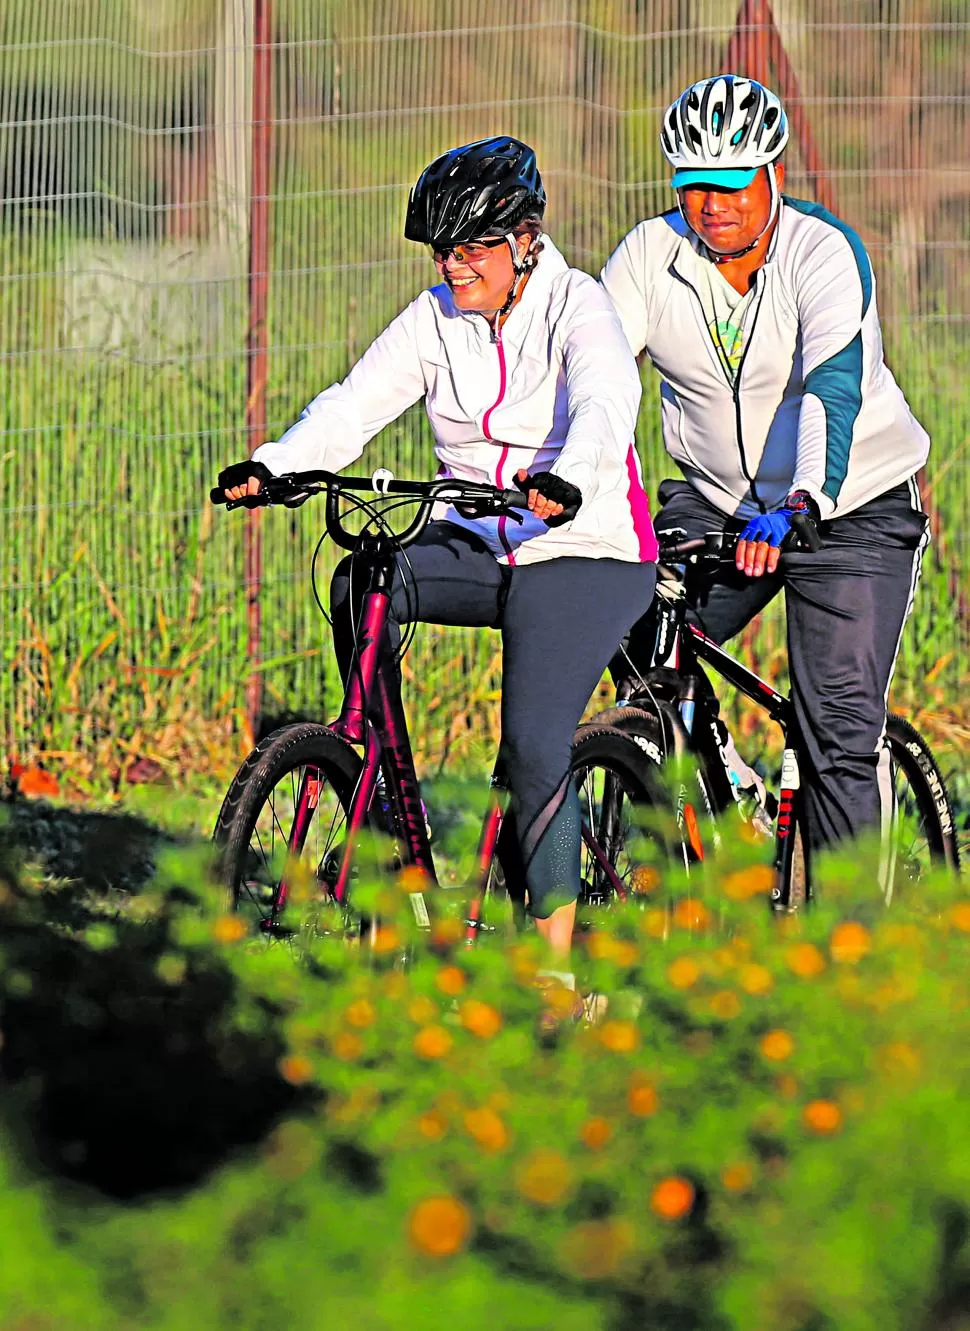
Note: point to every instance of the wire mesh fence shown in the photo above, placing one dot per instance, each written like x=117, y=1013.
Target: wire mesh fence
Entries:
x=126, y=132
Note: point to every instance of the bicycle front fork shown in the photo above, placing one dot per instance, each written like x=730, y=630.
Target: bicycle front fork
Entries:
x=792, y=886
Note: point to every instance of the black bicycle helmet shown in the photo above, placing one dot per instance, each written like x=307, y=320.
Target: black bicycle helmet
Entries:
x=481, y=189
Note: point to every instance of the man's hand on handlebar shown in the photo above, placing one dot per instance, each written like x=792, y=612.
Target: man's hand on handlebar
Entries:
x=243, y=479
x=794, y=527
x=550, y=497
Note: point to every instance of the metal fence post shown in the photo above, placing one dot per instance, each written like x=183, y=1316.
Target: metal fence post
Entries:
x=257, y=338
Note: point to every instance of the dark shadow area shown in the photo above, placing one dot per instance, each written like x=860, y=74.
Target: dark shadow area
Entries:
x=133, y=1060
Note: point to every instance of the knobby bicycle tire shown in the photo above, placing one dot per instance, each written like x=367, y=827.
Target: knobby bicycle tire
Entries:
x=252, y=830
x=912, y=761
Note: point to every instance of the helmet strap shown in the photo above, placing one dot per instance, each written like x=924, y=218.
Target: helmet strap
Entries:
x=521, y=268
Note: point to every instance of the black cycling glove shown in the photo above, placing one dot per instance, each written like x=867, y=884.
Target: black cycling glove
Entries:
x=239, y=473
x=557, y=491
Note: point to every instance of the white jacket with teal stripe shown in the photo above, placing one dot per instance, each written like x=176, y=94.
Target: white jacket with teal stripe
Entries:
x=814, y=406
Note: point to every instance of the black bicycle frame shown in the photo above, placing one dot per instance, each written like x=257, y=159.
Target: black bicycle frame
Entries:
x=679, y=648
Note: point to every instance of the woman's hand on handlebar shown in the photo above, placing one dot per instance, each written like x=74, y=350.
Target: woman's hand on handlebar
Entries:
x=550, y=497
x=242, y=479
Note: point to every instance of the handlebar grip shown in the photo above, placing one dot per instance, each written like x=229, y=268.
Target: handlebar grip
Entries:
x=218, y=496
x=803, y=525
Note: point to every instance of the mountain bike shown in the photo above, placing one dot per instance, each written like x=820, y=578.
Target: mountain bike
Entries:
x=671, y=709
x=302, y=803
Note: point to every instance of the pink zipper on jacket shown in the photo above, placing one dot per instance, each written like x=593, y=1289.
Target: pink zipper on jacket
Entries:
x=502, y=384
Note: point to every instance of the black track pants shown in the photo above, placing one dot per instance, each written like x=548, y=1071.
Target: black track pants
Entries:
x=846, y=606
x=561, y=621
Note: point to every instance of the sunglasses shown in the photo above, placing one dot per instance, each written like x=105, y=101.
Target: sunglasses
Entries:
x=472, y=252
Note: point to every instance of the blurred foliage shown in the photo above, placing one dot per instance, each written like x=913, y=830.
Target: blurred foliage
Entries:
x=766, y=1128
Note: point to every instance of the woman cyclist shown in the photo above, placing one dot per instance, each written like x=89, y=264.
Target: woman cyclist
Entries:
x=527, y=379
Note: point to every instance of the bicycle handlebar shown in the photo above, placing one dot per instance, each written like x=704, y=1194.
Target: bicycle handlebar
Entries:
x=294, y=488
x=713, y=543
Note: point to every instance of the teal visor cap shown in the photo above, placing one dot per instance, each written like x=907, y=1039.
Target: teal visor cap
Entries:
x=720, y=179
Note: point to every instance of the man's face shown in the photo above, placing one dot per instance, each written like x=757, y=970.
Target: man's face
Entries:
x=728, y=220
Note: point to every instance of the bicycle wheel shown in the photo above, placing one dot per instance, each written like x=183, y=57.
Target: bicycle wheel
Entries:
x=689, y=794
x=260, y=844
x=627, y=819
x=923, y=835
x=619, y=857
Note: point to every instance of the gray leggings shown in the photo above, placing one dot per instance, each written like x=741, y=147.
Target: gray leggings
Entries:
x=561, y=621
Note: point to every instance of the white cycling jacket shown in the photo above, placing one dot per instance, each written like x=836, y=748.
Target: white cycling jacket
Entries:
x=557, y=391
x=814, y=407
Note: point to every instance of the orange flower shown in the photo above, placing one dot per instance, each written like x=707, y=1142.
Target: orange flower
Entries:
x=450, y=980
x=487, y=1128
x=690, y=914
x=960, y=916
x=36, y=783
x=823, y=1117
x=447, y=932
x=776, y=1046
x=758, y=880
x=432, y=1125
x=642, y=1099
x=432, y=1042
x=654, y=924
x=480, y=1019
x=672, y=1198
x=805, y=960
x=755, y=979
x=413, y=878
x=524, y=964
x=422, y=1009
x=386, y=939
x=850, y=942
x=899, y=1059
x=737, y=1177
x=347, y=1046
x=600, y=946
x=625, y=953
x=360, y=1013
x=683, y=973
x=644, y=879
x=620, y=1037
x=595, y=1133
x=439, y=1226
x=296, y=1069
x=229, y=929
x=725, y=1004
x=544, y=1177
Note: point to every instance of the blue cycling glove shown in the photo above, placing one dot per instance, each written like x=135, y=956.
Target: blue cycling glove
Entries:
x=770, y=527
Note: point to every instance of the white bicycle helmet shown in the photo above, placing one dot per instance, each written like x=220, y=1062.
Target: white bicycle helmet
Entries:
x=723, y=123
x=722, y=130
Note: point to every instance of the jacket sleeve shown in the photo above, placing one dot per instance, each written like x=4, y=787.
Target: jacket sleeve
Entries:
x=624, y=281
x=602, y=387
x=333, y=429
x=836, y=313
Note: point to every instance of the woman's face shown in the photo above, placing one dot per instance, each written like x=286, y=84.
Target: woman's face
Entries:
x=479, y=274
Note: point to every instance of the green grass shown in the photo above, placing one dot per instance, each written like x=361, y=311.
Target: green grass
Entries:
x=197, y=1130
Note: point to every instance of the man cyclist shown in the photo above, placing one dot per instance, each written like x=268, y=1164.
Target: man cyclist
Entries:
x=527, y=379
x=758, y=310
